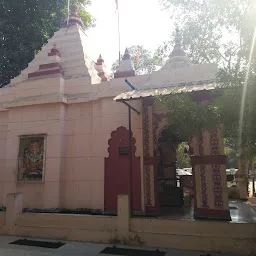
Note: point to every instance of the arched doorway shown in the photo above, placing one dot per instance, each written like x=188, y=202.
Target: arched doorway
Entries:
x=117, y=172
x=208, y=161
x=174, y=184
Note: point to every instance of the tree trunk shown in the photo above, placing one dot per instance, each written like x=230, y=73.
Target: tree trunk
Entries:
x=242, y=177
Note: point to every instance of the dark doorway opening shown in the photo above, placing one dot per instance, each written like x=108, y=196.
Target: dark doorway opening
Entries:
x=174, y=184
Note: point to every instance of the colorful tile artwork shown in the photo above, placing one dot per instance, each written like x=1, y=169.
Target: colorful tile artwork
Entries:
x=31, y=158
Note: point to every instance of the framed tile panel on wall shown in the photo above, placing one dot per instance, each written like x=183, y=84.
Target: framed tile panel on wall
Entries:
x=31, y=159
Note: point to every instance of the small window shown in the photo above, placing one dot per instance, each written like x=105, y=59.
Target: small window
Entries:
x=123, y=151
x=31, y=158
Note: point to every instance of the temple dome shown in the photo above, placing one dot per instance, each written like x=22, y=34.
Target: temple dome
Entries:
x=126, y=66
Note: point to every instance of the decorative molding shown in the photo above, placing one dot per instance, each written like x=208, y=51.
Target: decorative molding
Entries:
x=149, y=160
x=121, y=130
x=217, y=187
x=50, y=65
x=49, y=68
x=46, y=73
x=214, y=142
x=216, y=171
x=202, y=173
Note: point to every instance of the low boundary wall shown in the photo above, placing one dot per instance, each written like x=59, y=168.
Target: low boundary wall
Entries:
x=210, y=236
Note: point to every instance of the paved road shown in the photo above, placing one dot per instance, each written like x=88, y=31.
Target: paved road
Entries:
x=70, y=248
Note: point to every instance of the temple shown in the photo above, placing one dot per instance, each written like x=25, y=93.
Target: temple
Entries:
x=71, y=137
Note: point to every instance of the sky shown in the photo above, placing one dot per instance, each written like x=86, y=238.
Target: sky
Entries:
x=142, y=22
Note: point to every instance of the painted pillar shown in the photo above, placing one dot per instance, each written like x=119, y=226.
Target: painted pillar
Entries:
x=149, y=161
x=209, y=170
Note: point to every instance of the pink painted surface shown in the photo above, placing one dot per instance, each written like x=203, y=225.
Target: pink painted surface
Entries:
x=75, y=148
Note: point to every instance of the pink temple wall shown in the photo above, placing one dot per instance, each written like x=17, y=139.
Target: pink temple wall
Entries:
x=31, y=120
x=76, y=145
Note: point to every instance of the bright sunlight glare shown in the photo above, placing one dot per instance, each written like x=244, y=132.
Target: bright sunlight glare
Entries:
x=244, y=91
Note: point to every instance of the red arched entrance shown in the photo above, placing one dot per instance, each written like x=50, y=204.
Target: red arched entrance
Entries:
x=117, y=171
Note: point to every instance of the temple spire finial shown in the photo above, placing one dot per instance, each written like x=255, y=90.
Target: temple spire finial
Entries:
x=178, y=57
x=177, y=36
x=100, y=67
x=100, y=60
x=127, y=55
x=177, y=49
x=73, y=18
x=74, y=10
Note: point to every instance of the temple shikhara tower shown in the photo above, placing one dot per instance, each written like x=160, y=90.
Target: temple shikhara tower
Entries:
x=71, y=137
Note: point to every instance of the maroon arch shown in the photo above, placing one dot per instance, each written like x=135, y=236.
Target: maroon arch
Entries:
x=117, y=172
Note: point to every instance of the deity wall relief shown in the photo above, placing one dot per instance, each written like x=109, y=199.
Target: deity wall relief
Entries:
x=31, y=158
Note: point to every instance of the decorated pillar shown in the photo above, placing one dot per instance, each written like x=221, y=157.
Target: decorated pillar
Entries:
x=209, y=170
x=149, y=161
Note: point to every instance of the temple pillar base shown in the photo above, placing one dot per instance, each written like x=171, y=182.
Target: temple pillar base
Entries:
x=212, y=214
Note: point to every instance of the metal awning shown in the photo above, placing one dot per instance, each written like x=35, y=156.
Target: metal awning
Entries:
x=137, y=94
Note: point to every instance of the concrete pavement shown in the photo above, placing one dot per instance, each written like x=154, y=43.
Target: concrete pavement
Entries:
x=72, y=248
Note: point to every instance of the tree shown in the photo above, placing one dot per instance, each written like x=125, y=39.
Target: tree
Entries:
x=222, y=31
x=148, y=62
x=218, y=31
x=25, y=26
x=187, y=117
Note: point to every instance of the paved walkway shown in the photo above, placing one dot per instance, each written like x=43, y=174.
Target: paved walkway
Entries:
x=71, y=248
x=241, y=212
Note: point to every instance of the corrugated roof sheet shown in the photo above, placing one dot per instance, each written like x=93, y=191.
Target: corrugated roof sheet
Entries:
x=136, y=94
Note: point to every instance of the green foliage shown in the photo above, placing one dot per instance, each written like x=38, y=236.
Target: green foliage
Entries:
x=232, y=155
x=186, y=116
x=183, y=160
x=229, y=105
x=25, y=26
x=221, y=31
x=224, y=26
x=216, y=31
x=148, y=62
